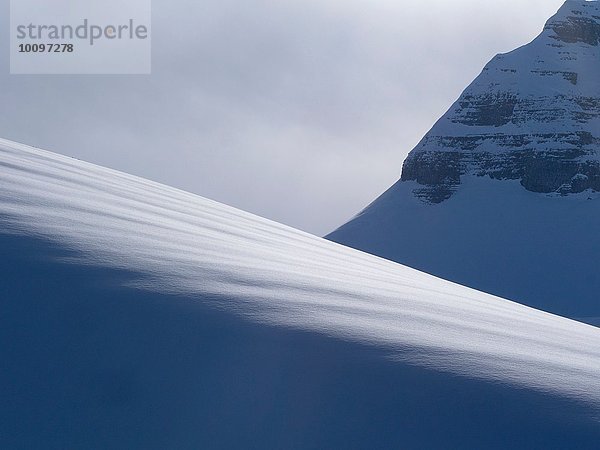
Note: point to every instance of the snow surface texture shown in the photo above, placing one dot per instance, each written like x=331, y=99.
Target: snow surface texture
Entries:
x=502, y=195
x=135, y=315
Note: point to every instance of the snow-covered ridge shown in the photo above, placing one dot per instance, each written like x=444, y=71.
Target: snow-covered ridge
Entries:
x=273, y=274
x=532, y=115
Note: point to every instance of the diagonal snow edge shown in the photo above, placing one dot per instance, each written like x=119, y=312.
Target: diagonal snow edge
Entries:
x=182, y=243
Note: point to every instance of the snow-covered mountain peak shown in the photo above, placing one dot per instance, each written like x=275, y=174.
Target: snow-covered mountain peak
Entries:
x=532, y=115
x=503, y=193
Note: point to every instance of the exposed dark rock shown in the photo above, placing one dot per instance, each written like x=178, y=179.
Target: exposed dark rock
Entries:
x=560, y=170
x=569, y=76
x=577, y=29
x=489, y=110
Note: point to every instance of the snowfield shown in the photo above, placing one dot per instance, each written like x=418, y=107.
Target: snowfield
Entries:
x=493, y=235
x=134, y=315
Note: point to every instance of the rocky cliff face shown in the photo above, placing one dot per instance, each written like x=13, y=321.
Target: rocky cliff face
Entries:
x=532, y=115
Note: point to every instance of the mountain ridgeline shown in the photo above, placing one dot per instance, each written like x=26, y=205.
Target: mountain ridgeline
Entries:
x=508, y=179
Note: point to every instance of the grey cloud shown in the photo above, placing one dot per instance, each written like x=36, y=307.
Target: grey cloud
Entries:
x=300, y=111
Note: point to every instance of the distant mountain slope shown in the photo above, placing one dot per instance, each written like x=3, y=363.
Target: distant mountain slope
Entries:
x=134, y=315
x=508, y=180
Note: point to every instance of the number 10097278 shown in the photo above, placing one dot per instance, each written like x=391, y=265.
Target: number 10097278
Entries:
x=46, y=48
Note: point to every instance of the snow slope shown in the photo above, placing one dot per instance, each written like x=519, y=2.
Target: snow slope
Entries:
x=494, y=236
x=134, y=315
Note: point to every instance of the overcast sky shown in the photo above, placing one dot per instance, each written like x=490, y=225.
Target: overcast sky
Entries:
x=301, y=111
